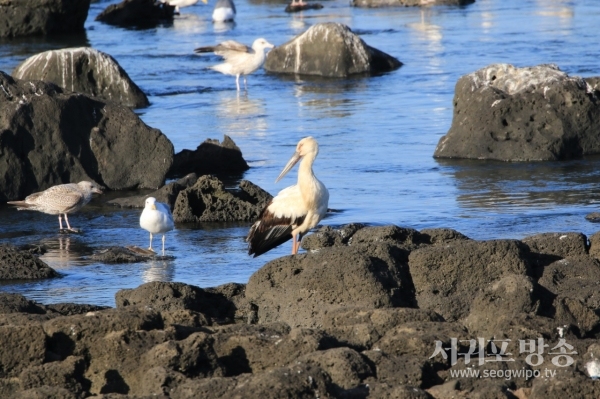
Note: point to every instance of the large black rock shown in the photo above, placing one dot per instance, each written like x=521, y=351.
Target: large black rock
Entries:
x=35, y=17
x=49, y=136
x=329, y=49
x=137, y=13
x=84, y=70
x=522, y=114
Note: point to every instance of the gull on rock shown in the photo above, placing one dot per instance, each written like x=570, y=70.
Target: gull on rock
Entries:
x=60, y=200
x=239, y=58
x=296, y=209
x=156, y=218
x=224, y=11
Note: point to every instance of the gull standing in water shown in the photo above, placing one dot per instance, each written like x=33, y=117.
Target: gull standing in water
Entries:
x=156, y=218
x=224, y=11
x=60, y=200
x=239, y=58
x=296, y=209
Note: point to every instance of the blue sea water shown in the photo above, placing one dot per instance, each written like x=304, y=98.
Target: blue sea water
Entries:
x=377, y=134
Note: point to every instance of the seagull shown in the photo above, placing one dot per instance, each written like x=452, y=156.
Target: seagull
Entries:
x=156, y=218
x=181, y=3
x=60, y=200
x=295, y=210
x=239, y=58
x=224, y=11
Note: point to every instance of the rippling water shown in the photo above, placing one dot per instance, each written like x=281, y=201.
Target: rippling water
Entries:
x=376, y=135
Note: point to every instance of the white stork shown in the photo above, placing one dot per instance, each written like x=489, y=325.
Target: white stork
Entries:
x=156, y=218
x=296, y=209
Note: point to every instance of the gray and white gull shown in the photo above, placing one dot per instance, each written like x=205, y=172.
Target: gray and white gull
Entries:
x=240, y=60
x=60, y=200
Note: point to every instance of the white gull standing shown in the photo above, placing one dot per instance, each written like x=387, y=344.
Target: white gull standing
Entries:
x=224, y=11
x=295, y=210
x=60, y=200
x=239, y=58
x=156, y=218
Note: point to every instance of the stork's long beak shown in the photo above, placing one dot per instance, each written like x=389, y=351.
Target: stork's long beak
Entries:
x=295, y=158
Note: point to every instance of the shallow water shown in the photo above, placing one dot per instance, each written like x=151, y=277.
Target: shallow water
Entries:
x=376, y=135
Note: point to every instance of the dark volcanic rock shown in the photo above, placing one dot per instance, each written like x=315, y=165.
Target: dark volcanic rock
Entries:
x=329, y=49
x=84, y=70
x=52, y=137
x=34, y=17
x=558, y=244
x=522, y=114
x=209, y=201
x=137, y=13
x=409, y=3
x=211, y=157
x=15, y=303
x=294, y=289
x=16, y=265
x=328, y=236
x=217, y=303
x=447, y=278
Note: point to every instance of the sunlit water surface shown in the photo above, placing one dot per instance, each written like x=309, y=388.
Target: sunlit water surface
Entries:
x=376, y=134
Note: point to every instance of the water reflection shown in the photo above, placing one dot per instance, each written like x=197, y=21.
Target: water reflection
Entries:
x=159, y=270
x=494, y=185
x=427, y=31
x=63, y=251
x=191, y=23
x=239, y=113
x=221, y=27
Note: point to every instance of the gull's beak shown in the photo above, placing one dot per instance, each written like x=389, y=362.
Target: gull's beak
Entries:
x=293, y=161
x=96, y=190
x=205, y=1
x=153, y=207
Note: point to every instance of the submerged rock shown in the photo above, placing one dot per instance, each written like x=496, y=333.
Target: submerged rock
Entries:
x=33, y=17
x=84, y=70
x=329, y=49
x=209, y=201
x=522, y=114
x=22, y=265
x=52, y=137
x=137, y=13
x=209, y=158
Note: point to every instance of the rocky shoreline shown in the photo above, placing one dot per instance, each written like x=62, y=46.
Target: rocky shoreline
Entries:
x=365, y=312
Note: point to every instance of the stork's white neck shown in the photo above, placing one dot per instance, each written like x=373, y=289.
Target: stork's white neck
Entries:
x=305, y=172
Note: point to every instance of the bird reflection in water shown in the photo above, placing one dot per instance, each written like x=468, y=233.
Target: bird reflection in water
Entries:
x=158, y=270
x=61, y=252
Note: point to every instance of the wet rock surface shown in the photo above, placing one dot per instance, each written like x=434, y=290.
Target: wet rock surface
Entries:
x=329, y=49
x=522, y=114
x=53, y=137
x=84, y=70
x=32, y=17
x=368, y=312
